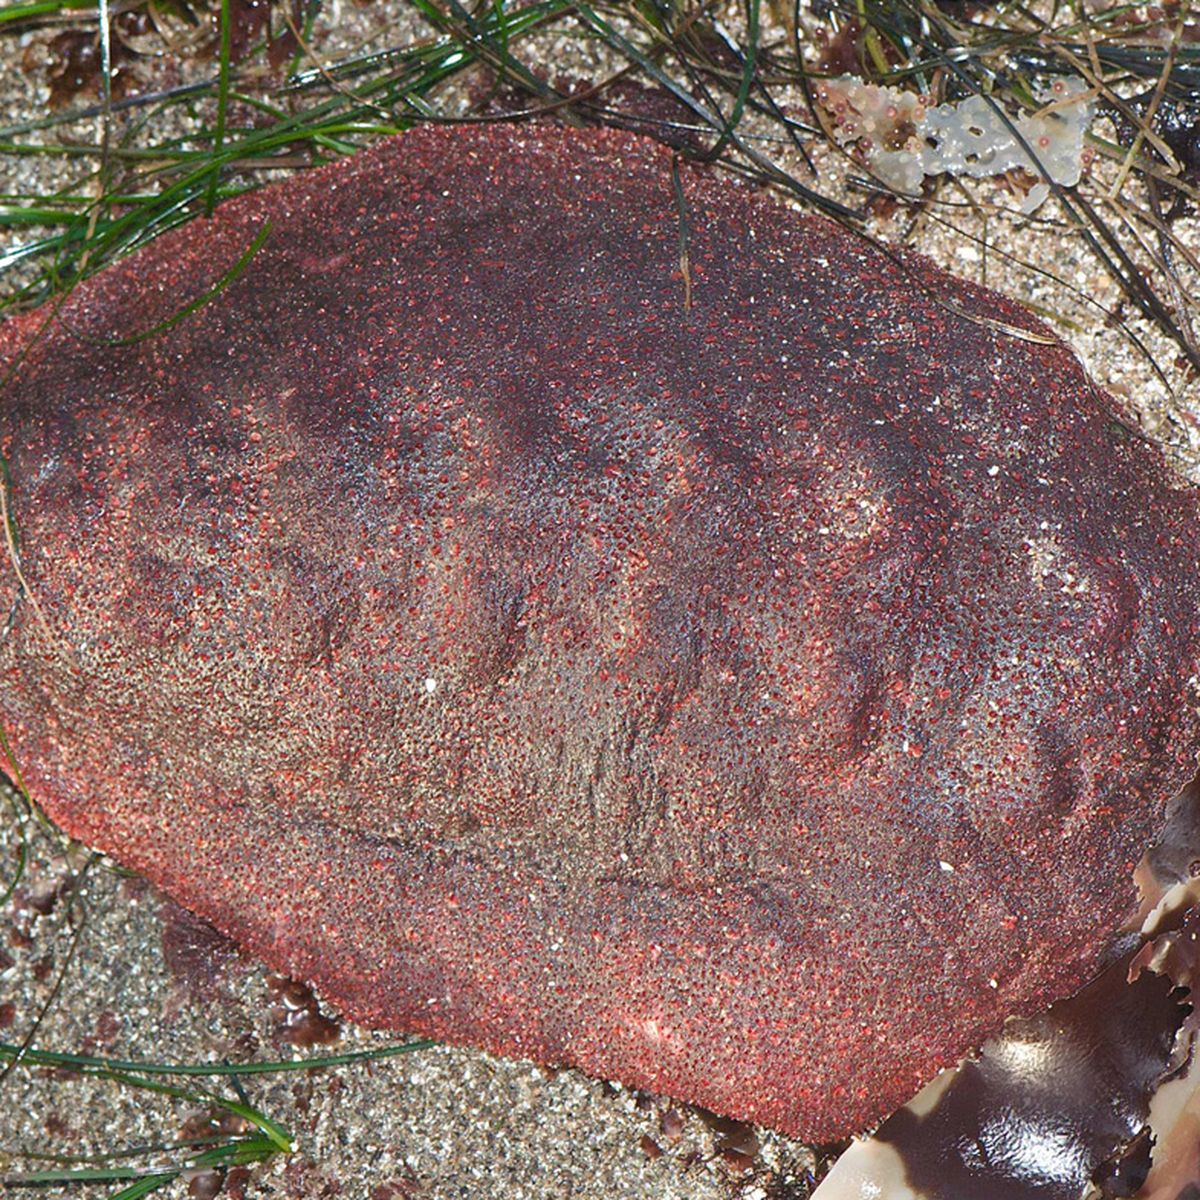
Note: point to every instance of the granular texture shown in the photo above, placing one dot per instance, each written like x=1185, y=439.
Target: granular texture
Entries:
x=750, y=677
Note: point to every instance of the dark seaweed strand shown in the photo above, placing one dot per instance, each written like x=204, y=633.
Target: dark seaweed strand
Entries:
x=684, y=232
x=226, y=34
x=77, y=920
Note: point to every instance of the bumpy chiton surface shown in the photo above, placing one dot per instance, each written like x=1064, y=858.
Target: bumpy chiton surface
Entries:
x=755, y=701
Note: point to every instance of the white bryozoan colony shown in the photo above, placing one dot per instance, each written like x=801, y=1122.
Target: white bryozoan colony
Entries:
x=902, y=139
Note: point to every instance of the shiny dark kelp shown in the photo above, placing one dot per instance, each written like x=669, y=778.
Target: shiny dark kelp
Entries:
x=1043, y=1107
x=754, y=701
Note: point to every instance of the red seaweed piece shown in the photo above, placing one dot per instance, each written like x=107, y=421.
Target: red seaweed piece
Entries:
x=755, y=702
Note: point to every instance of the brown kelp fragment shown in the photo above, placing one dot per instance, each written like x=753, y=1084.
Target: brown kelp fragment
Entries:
x=756, y=701
x=1039, y=1113
x=1174, y=1121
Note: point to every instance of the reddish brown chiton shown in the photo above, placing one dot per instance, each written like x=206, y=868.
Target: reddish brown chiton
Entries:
x=753, y=700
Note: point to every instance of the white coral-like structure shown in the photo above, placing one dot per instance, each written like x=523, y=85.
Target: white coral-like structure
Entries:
x=903, y=139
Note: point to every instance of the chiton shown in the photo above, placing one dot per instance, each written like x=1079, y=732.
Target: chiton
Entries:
x=610, y=623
